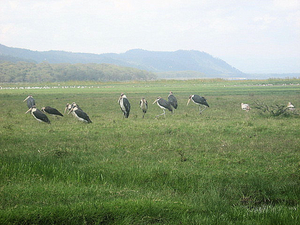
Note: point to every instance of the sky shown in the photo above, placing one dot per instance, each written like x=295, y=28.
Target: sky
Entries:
x=254, y=36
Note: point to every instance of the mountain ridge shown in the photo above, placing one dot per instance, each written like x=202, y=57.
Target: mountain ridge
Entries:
x=153, y=61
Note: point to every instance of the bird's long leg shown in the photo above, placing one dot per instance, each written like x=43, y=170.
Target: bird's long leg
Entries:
x=164, y=113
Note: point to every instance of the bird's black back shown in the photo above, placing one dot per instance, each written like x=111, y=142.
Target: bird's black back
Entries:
x=200, y=100
x=127, y=107
x=39, y=115
x=173, y=101
x=162, y=102
x=52, y=111
x=30, y=102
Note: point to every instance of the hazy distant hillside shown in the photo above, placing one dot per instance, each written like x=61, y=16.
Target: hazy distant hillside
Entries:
x=153, y=61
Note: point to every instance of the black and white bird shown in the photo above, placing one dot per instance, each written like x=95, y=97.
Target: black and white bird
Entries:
x=70, y=106
x=124, y=105
x=144, y=106
x=172, y=99
x=30, y=101
x=38, y=115
x=79, y=114
x=199, y=101
x=163, y=104
x=51, y=111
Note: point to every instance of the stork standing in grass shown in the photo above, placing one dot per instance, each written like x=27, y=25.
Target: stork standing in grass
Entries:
x=38, y=115
x=290, y=106
x=51, y=111
x=163, y=104
x=144, y=106
x=70, y=106
x=79, y=114
x=198, y=100
x=30, y=101
x=172, y=99
x=245, y=107
x=124, y=105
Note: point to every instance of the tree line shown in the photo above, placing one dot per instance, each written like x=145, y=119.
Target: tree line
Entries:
x=45, y=72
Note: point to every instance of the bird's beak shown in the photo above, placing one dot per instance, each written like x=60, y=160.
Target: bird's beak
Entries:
x=28, y=110
x=188, y=101
x=26, y=98
x=155, y=101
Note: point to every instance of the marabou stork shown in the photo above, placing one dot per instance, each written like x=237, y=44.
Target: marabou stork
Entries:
x=245, y=107
x=30, y=101
x=79, y=114
x=163, y=104
x=38, y=115
x=172, y=99
x=70, y=106
x=125, y=105
x=51, y=111
x=199, y=101
x=144, y=106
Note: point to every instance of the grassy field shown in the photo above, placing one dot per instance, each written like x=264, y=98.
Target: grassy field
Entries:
x=225, y=166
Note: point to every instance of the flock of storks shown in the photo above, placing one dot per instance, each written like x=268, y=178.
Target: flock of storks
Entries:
x=78, y=113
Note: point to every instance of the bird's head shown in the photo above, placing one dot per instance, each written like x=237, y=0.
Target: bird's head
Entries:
x=156, y=100
x=43, y=109
x=29, y=96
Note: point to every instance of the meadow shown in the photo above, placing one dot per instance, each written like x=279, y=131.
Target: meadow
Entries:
x=225, y=166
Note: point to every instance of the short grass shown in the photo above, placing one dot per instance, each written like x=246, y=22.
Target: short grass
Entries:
x=225, y=166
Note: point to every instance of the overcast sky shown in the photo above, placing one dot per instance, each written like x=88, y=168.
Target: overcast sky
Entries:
x=255, y=36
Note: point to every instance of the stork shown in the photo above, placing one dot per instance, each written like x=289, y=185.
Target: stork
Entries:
x=38, y=115
x=30, y=101
x=199, y=101
x=51, y=111
x=69, y=107
x=290, y=106
x=163, y=104
x=79, y=114
x=125, y=105
x=245, y=107
x=144, y=106
x=172, y=99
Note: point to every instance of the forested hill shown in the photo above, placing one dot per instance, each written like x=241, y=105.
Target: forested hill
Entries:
x=153, y=61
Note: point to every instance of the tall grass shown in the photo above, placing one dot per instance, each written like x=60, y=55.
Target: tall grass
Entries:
x=225, y=166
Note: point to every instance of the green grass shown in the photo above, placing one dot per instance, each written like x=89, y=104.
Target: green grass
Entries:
x=225, y=166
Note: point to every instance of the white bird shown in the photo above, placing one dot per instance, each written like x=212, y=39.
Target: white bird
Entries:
x=290, y=106
x=245, y=107
x=144, y=106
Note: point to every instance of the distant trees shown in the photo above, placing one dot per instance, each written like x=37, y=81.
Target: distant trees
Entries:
x=46, y=72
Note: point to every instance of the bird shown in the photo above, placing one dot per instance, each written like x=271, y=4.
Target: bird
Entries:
x=144, y=106
x=172, y=99
x=125, y=105
x=38, y=115
x=79, y=114
x=290, y=106
x=69, y=107
x=162, y=103
x=199, y=101
x=51, y=111
x=30, y=101
x=245, y=107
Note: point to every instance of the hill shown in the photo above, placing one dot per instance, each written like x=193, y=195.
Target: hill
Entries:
x=163, y=63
